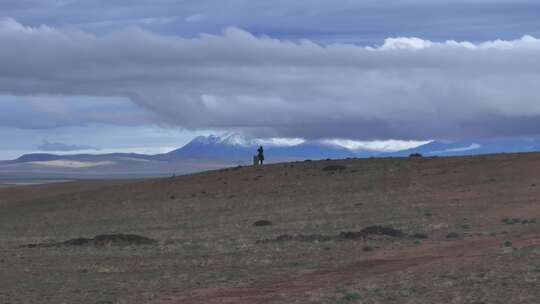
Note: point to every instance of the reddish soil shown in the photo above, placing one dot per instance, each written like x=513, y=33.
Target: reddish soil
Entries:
x=209, y=250
x=383, y=263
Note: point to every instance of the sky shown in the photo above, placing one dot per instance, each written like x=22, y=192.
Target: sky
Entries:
x=147, y=76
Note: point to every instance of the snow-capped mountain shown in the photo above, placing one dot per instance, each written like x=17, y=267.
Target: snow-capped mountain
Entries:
x=240, y=148
x=231, y=139
x=213, y=152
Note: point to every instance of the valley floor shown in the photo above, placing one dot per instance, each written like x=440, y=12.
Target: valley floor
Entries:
x=380, y=230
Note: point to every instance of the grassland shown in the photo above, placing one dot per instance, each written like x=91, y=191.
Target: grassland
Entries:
x=481, y=217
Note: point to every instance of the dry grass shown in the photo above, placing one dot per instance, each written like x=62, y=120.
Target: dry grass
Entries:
x=208, y=243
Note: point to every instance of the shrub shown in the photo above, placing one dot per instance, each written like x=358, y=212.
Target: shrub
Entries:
x=334, y=168
x=420, y=235
x=351, y=296
x=262, y=223
x=452, y=235
x=367, y=248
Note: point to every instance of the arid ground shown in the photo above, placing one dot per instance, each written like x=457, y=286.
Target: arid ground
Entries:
x=393, y=230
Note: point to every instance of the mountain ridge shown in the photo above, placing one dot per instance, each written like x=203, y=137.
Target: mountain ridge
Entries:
x=213, y=152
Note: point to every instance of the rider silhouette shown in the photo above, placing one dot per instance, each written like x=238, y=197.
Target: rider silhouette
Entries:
x=260, y=155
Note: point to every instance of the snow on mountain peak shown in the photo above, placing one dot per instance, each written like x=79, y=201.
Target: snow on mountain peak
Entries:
x=211, y=139
x=236, y=139
x=239, y=140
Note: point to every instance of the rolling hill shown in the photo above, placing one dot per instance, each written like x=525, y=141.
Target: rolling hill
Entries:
x=380, y=230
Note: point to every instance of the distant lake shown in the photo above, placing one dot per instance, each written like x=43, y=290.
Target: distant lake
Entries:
x=30, y=181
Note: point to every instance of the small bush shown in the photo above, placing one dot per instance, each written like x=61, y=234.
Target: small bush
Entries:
x=453, y=235
x=420, y=235
x=351, y=296
x=513, y=221
x=262, y=223
x=389, y=231
x=415, y=155
x=334, y=168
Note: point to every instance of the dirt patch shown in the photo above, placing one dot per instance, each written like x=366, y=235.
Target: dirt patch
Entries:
x=267, y=291
x=103, y=240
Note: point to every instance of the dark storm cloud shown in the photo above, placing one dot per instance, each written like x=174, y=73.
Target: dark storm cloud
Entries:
x=407, y=88
x=360, y=21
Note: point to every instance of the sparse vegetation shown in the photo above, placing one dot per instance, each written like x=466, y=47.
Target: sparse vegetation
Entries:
x=453, y=235
x=420, y=235
x=102, y=240
x=514, y=221
x=334, y=168
x=351, y=296
x=262, y=223
x=364, y=232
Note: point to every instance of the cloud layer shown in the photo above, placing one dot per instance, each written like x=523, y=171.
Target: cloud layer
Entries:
x=56, y=146
x=358, y=21
x=407, y=88
x=55, y=111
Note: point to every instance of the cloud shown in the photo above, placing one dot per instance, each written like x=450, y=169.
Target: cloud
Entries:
x=54, y=111
x=360, y=21
x=61, y=147
x=377, y=145
x=407, y=88
x=472, y=146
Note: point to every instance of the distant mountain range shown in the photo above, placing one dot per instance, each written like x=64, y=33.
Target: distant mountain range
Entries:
x=212, y=152
x=459, y=148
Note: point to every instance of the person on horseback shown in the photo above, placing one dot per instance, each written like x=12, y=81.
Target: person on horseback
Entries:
x=260, y=155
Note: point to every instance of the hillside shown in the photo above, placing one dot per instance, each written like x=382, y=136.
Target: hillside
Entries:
x=380, y=230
